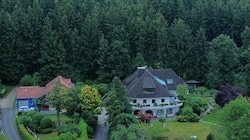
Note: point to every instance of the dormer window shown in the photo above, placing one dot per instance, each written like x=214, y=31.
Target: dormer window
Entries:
x=149, y=90
x=170, y=81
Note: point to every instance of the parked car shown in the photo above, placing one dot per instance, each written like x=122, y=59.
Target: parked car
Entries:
x=25, y=109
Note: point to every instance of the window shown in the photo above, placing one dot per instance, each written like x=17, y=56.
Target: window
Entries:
x=134, y=101
x=144, y=101
x=149, y=90
x=162, y=100
x=153, y=100
x=170, y=81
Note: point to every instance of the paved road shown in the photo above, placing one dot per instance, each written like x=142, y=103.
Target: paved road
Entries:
x=8, y=124
x=101, y=132
x=8, y=114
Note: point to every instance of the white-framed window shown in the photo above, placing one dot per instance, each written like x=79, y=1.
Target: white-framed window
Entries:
x=134, y=101
x=162, y=100
x=144, y=101
x=153, y=100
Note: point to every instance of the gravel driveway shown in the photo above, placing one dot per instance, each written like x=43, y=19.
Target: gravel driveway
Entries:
x=8, y=115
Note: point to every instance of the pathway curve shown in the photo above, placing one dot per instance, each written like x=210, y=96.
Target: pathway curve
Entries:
x=101, y=131
x=8, y=117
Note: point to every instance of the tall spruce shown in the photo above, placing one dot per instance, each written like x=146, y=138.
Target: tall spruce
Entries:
x=53, y=53
x=116, y=101
x=180, y=43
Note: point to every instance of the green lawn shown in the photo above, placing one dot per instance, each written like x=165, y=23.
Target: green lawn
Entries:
x=178, y=130
x=184, y=131
x=214, y=117
x=47, y=136
x=3, y=137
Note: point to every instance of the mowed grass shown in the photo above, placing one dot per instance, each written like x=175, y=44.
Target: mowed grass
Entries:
x=47, y=136
x=188, y=129
x=180, y=131
x=214, y=117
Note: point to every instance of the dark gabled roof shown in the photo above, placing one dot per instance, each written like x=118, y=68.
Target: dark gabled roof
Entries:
x=136, y=84
x=165, y=74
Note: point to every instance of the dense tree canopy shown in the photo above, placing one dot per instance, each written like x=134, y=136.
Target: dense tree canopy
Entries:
x=100, y=39
x=236, y=119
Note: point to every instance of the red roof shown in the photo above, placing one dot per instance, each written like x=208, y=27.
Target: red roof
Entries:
x=25, y=92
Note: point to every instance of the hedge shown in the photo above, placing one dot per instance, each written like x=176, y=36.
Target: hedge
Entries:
x=83, y=127
x=23, y=131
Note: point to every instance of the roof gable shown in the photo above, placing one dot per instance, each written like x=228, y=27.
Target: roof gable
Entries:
x=136, y=86
x=25, y=92
x=64, y=82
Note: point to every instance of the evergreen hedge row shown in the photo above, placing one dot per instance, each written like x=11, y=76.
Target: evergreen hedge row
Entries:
x=25, y=135
x=83, y=127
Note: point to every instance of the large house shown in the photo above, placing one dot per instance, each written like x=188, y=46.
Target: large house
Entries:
x=154, y=91
x=27, y=94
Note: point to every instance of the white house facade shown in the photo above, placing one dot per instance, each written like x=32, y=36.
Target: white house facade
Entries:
x=149, y=93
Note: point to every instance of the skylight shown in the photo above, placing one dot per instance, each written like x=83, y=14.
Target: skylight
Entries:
x=170, y=81
x=160, y=81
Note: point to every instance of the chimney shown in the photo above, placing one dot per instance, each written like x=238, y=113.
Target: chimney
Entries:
x=140, y=71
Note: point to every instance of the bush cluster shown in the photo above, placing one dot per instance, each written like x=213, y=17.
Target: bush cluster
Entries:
x=36, y=122
x=187, y=115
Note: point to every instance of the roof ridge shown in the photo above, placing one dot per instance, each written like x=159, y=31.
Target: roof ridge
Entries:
x=137, y=79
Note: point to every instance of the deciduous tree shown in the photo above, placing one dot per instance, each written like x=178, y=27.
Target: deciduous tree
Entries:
x=236, y=119
x=228, y=93
x=223, y=60
x=57, y=99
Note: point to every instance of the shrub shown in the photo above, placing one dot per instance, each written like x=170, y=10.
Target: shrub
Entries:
x=45, y=131
x=25, y=120
x=31, y=113
x=67, y=136
x=193, y=118
x=72, y=128
x=35, y=121
x=181, y=118
x=37, y=117
x=46, y=122
x=90, y=130
x=89, y=118
x=34, y=127
x=162, y=119
x=76, y=118
x=210, y=136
